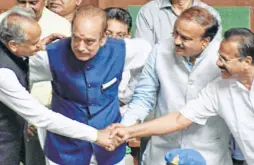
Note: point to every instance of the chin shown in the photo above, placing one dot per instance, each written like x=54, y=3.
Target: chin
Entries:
x=84, y=58
x=225, y=75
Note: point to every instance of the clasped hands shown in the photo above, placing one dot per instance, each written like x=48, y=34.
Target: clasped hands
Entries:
x=113, y=136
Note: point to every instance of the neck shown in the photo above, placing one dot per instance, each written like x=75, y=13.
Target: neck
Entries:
x=180, y=5
x=247, y=78
x=69, y=17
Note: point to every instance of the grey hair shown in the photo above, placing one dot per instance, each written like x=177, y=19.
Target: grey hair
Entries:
x=13, y=30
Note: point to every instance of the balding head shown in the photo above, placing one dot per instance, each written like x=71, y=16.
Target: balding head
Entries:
x=202, y=17
x=90, y=12
x=88, y=32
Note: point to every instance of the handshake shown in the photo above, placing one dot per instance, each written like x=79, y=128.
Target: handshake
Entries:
x=113, y=136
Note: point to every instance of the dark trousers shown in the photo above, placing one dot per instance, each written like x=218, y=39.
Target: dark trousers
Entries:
x=10, y=147
x=33, y=151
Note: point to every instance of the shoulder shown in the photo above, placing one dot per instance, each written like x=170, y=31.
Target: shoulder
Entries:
x=150, y=7
x=53, y=23
x=7, y=77
x=62, y=43
x=137, y=43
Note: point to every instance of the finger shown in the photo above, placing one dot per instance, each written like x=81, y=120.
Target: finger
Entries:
x=30, y=133
x=114, y=133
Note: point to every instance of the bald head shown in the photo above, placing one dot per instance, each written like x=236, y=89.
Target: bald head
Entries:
x=90, y=12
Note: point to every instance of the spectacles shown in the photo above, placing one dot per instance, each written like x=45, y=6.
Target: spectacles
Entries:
x=225, y=61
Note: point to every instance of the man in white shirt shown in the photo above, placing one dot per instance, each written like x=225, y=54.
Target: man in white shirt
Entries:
x=174, y=73
x=20, y=38
x=230, y=96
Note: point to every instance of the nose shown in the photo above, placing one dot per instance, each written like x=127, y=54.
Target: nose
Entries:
x=82, y=47
x=27, y=5
x=177, y=40
x=219, y=62
x=40, y=47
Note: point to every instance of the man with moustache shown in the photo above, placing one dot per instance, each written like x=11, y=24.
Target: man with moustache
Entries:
x=85, y=71
x=229, y=96
x=64, y=8
x=176, y=70
x=20, y=39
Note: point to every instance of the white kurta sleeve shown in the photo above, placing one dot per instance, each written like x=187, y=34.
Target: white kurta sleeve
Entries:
x=203, y=107
x=14, y=95
x=137, y=51
x=39, y=68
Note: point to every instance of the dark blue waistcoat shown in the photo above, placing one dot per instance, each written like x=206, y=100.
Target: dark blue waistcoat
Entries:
x=86, y=92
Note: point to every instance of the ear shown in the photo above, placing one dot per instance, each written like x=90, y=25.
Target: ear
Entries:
x=248, y=61
x=129, y=35
x=104, y=39
x=204, y=42
x=78, y=2
x=12, y=45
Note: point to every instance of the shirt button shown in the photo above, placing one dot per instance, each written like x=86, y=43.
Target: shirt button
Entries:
x=88, y=67
x=89, y=85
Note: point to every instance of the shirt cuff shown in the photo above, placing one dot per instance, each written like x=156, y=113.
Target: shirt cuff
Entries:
x=91, y=135
x=129, y=120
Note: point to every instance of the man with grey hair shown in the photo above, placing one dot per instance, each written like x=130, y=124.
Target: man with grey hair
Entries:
x=49, y=23
x=20, y=37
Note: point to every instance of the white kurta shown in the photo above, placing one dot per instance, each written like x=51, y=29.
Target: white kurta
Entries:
x=172, y=82
x=234, y=103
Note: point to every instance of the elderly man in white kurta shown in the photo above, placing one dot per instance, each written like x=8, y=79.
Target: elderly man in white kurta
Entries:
x=176, y=70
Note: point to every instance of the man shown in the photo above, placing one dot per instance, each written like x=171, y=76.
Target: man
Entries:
x=229, y=96
x=91, y=65
x=119, y=26
x=156, y=19
x=49, y=23
x=64, y=8
x=20, y=38
x=175, y=72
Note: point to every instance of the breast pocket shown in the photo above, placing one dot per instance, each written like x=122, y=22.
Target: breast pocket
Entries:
x=110, y=88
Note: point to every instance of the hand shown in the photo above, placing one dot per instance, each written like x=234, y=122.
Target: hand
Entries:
x=54, y=36
x=104, y=140
x=134, y=142
x=31, y=130
x=120, y=133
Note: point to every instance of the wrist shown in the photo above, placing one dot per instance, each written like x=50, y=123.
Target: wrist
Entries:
x=97, y=136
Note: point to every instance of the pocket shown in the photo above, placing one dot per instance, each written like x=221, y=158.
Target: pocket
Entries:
x=109, y=84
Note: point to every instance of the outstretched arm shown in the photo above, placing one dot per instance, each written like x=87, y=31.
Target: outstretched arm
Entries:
x=171, y=122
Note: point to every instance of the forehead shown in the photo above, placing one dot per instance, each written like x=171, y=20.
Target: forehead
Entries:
x=32, y=30
x=189, y=28
x=228, y=48
x=117, y=26
x=87, y=26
